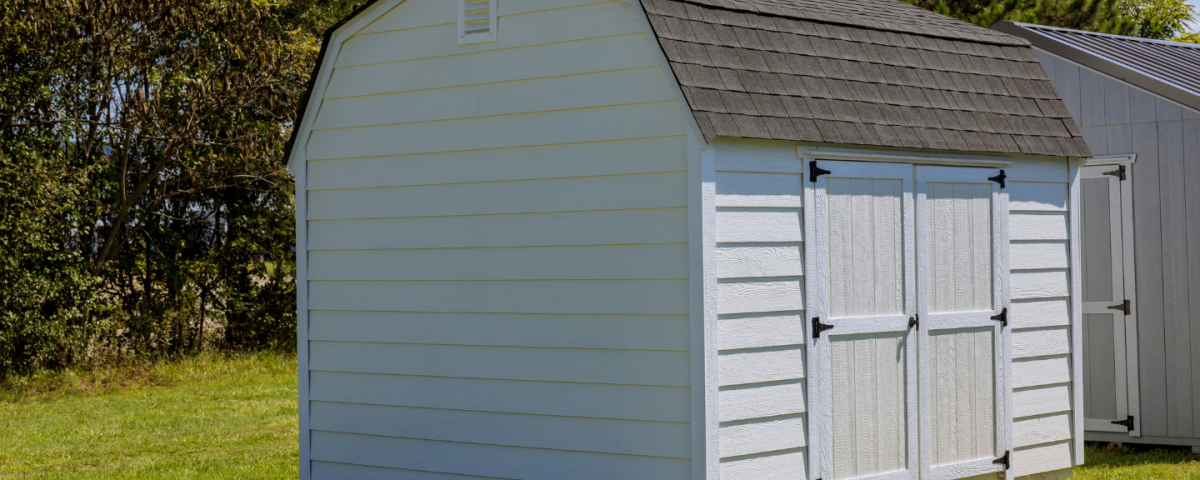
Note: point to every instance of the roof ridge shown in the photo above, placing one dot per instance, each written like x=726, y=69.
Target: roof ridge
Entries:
x=792, y=11
x=1167, y=43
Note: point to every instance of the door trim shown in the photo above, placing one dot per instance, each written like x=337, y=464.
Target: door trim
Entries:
x=1133, y=386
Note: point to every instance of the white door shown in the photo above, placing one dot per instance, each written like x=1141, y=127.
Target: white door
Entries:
x=1109, y=324
x=962, y=329
x=862, y=300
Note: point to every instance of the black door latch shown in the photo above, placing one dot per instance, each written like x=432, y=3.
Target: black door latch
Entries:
x=914, y=321
x=999, y=179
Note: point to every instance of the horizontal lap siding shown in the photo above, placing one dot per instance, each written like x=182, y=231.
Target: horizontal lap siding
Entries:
x=1040, y=315
x=498, y=265
x=759, y=264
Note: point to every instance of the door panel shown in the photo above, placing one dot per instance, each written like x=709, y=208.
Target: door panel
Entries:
x=866, y=392
x=1108, y=333
x=961, y=252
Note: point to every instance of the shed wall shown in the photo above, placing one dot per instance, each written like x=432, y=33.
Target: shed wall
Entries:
x=760, y=270
x=762, y=330
x=498, y=250
x=1117, y=118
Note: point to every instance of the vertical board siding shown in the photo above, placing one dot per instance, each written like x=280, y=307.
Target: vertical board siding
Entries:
x=499, y=271
x=1040, y=311
x=866, y=247
x=870, y=431
x=960, y=245
x=759, y=263
x=963, y=404
x=1166, y=237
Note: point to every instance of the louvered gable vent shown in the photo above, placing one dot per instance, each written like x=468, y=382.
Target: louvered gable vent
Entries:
x=476, y=21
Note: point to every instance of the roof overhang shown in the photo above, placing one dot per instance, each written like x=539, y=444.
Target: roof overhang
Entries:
x=1101, y=63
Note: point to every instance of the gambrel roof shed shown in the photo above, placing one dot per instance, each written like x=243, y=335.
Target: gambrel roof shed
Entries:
x=697, y=239
x=1138, y=104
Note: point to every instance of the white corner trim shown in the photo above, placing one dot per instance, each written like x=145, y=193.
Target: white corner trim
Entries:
x=965, y=160
x=1076, y=320
x=325, y=70
x=1126, y=159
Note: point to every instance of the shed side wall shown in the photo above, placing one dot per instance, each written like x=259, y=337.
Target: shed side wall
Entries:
x=1117, y=118
x=497, y=250
x=760, y=271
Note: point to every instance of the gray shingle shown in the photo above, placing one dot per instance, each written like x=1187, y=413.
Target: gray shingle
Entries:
x=870, y=72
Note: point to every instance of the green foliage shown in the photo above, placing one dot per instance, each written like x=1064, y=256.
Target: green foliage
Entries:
x=147, y=210
x=1157, y=19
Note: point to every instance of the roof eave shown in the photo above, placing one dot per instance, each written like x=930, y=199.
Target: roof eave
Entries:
x=1102, y=64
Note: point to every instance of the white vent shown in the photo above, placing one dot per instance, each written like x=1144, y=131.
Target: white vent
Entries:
x=476, y=21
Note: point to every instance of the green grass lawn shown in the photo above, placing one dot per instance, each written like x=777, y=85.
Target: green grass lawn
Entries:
x=217, y=417
x=209, y=417
x=1136, y=462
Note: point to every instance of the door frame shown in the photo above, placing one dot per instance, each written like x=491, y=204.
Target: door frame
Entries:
x=817, y=305
x=1129, y=277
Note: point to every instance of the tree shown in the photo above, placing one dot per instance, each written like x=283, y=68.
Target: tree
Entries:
x=1158, y=19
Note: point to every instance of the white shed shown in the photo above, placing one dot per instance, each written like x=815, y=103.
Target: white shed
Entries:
x=685, y=239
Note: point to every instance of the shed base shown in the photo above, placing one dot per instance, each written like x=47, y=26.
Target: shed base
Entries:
x=1123, y=438
x=1055, y=475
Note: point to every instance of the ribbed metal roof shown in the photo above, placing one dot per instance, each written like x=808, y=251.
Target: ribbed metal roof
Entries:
x=1169, y=64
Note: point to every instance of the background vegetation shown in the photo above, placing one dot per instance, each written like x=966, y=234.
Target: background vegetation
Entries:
x=1156, y=19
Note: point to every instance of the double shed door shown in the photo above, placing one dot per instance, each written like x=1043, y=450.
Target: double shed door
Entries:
x=907, y=324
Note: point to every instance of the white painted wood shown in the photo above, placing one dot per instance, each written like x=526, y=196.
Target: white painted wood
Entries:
x=875, y=155
x=1039, y=313
x=407, y=14
x=765, y=156
x=1041, y=458
x=300, y=171
x=1030, y=284
x=705, y=336
x=653, y=297
x=760, y=330
x=762, y=400
x=620, y=122
x=962, y=251
x=506, y=462
x=759, y=260
x=759, y=366
x=756, y=296
x=650, y=155
x=1041, y=342
x=738, y=189
x=627, y=367
x=1043, y=429
x=864, y=406
x=616, y=227
x=754, y=436
x=1038, y=226
x=557, y=59
x=1038, y=169
x=624, y=402
x=773, y=466
x=621, y=87
x=629, y=437
x=1028, y=402
x=1044, y=197
x=607, y=262
x=1032, y=372
x=1039, y=255
x=632, y=332
x=742, y=225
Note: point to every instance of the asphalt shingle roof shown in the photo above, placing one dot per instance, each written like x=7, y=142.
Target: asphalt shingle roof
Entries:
x=869, y=72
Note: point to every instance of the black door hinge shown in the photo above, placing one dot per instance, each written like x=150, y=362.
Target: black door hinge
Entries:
x=1002, y=460
x=1119, y=173
x=1127, y=422
x=999, y=179
x=914, y=321
x=1001, y=317
x=819, y=327
x=814, y=171
x=1123, y=306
